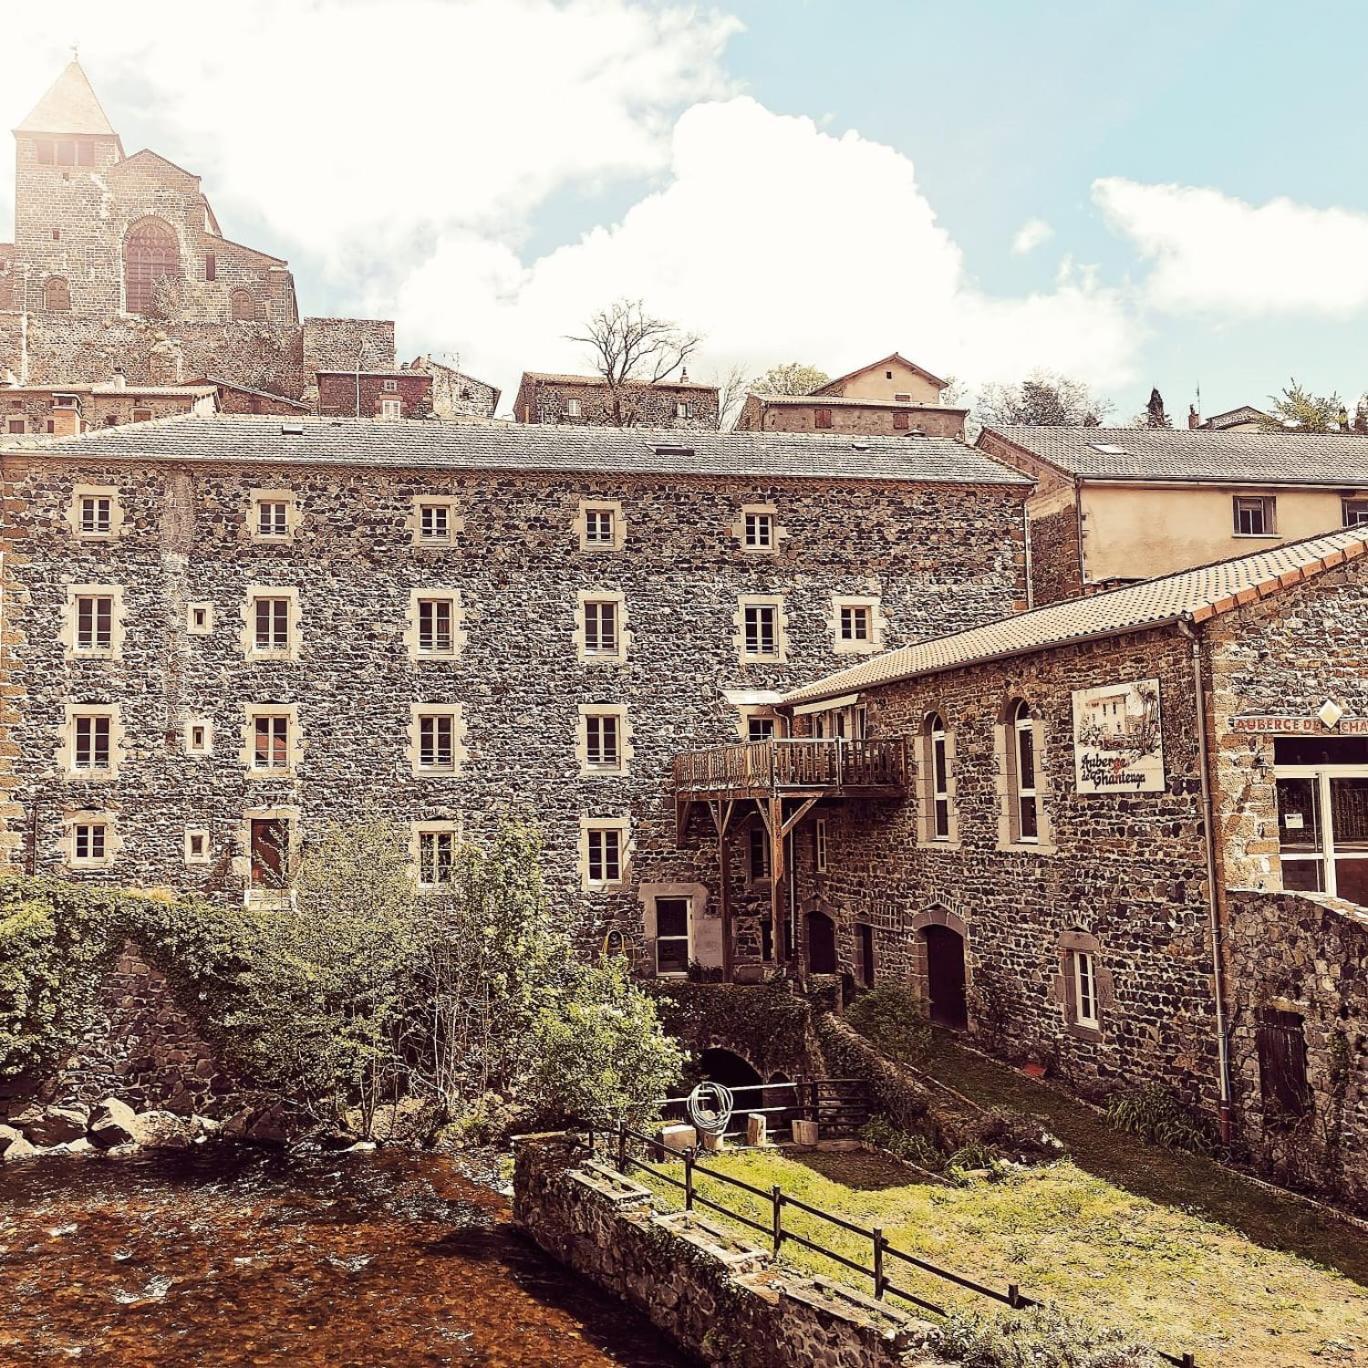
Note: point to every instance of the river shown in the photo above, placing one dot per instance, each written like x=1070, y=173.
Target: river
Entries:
x=236, y=1256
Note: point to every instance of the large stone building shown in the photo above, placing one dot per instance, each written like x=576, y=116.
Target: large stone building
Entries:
x=889, y=397
x=119, y=264
x=220, y=635
x=1124, y=835
x=590, y=401
x=1114, y=505
x=65, y=410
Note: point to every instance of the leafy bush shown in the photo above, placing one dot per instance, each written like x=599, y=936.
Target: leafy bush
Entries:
x=893, y=1019
x=880, y=1132
x=1040, y=1336
x=1156, y=1114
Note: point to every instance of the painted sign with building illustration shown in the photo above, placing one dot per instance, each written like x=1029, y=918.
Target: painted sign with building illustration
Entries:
x=1118, y=742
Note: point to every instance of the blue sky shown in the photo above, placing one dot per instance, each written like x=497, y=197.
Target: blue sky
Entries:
x=795, y=179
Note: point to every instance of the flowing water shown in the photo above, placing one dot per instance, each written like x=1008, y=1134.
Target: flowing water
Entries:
x=234, y=1256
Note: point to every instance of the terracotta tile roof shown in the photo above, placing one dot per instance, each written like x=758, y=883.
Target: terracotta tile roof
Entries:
x=1190, y=595
x=70, y=105
x=261, y=439
x=883, y=361
x=1180, y=455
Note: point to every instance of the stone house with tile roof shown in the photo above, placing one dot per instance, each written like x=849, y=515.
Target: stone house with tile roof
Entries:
x=1127, y=839
x=1113, y=505
x=590, y=401
x=221, y=635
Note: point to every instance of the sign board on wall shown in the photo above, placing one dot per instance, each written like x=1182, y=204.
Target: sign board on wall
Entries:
x=1118, y=740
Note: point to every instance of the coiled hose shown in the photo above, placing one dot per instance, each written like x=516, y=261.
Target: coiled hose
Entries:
x=710, y=1108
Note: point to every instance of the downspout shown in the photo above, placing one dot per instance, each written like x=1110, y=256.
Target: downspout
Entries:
x=1213, y=901
x=1026, y=532
x=1078, y=523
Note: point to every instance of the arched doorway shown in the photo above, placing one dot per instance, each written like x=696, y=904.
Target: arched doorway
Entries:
x=151, y=255
x=728, y=1068
x=945, y=979
x=821, y=943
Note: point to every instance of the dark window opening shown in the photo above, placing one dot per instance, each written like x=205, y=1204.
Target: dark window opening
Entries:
x=1281, y=1043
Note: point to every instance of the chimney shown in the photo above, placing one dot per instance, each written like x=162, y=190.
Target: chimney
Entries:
x=1194, y=418
x=118, y=379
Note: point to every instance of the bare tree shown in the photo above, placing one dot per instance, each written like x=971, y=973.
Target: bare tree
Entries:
x=1043, y=399
x=732, y=387
x=632, y=347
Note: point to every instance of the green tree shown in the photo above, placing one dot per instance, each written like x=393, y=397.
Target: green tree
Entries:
x=793, y=377
x=1043, y=399
x=599, y=1051
x=1296, y=409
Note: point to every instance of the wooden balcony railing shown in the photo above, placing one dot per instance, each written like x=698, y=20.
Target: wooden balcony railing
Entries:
x=799, y=765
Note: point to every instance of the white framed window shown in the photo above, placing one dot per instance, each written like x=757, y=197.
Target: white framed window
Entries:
x=92, y=741
x=434, y=624
x=572, y=408
x=674, y=935
x=760, y=625
x=603, y=749
x=93, y=621
x=271, y=742
x=600, y=525
x=1084, y=968
x=683, y=408
x=89, y=842
x=271, y=625
x=95, y=513
x=391, y=409
x=197, y=845
x=390, y=386
x=434, y=522
x=1355, y=512
x=436, y=738
x=601, y=627
x=757, y=853
x=1022, y=791
x=938, y=768
x=856, y=622
x=1255, y=515
x=272, y=519
x=758, y=530
x=604, y=855
x=820, y=847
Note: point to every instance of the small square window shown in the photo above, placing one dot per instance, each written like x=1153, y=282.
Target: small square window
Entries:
x=390, y=386
x=759, y=531
x=16, y=426
x=1254, y=516
x=196, y=845
x=273, y=519
x=89, y=842
x=821, y=418
x=902, y=422
x=857, y=622
x=901, y=398
x=683, y=409
x=434, y=522
x=199, y=619
x=198, y=736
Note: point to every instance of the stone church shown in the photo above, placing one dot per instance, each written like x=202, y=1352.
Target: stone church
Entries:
x=119, y=266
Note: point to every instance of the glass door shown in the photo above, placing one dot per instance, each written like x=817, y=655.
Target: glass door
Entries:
x=1323, y=829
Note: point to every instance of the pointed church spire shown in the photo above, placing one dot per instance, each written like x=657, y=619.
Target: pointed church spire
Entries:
x=70, y=106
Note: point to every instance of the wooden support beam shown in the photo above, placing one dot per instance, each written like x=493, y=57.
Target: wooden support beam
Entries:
x=774, y=824
x=798, y=814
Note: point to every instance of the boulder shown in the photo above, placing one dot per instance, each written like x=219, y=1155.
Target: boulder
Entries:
x=23, y=1117
x=58, y=1125
x=270, y=1126
x=113, y=1122
x=8, y=1136
x=162, y=1130
x=81, y=1145
x=13, y=1146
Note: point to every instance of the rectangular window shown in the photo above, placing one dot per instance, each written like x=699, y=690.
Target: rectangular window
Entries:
x=1085, y=989
x=683, y=409
x=761, y=624
x=759, y=532
x=273, y=518
x=902, y=422
x=600, y=627
x=210, y=266
x=572, y=408
x=1027, y=812
x=1356, y=512
x=94, y=622
x=1254, y=516
x=598, y=527
x=90, y=750
x=758, y=853
x=16, y=426
x=391, y=408
x=142, y=415
x=857, y=622
x=434, y=522
x=97, y=511
x=436, y=858
x=759, y=729
x=436, y=627
x=196, y=846
x=197, y=738
x=437, y=742
x=901, y=398
x=271, y=741
x=272, y=624
x=821, y=418
x=270, y=842
x=390, y=386
x=940, y=785
x=602, y=744
x=88, y=842
x=605, y=855
x=1280, y=1039
x=819, y=844
x=672, y=935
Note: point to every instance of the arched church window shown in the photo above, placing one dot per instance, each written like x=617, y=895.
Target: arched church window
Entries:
x=151, y=256
x=57, y=295
x=243, y=306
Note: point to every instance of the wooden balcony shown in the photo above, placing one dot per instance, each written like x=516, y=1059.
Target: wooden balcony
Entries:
x=803, y=767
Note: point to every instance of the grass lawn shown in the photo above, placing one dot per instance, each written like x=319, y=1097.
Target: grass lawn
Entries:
x=1167, y=1277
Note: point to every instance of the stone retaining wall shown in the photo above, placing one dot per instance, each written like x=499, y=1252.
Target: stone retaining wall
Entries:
x=719, y=1299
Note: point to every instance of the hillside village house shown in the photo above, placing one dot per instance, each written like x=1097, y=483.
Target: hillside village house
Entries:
x=590, y=401
x=65, y=410
x=1114, y=505
x=1125, y=834
x=891, y=397
x=220, y=635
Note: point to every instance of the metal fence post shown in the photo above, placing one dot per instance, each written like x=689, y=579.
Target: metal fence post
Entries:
x=777, y=1197
x=878, y=1263
x=622, y=1147
x=1014, y=1296
x=688, y=1178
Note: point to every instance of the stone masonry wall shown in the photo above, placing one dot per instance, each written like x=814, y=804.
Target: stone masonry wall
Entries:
x=1055, y=568
x=1126, y=868
x=641, y=405
x=941, y=557
x=361, y=396
x=1306, y=955
x=721, y=1300
x=874, y=419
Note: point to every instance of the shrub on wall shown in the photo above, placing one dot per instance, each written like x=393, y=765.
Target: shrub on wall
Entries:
x=893, y=1019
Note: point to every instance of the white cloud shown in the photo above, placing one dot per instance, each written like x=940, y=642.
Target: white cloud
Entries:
x=779, y=242
x=1214, y=253
x=1030, y=236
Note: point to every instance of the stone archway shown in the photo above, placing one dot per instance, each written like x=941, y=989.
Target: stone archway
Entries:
x=942, y=965
x=151, y=256
x=720, y=1065
x=819, y=931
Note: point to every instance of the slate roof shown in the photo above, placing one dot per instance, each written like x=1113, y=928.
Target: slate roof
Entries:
x=1190, y=595
x=818, y=400
x=1159, y=454
x=552, y=378
x=260, y=439
x=874, y=365
x=70, y=105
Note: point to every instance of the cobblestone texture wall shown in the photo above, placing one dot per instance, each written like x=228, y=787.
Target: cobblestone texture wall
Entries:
x=876, y=419
x=941, y=557
x=1126, y=868
x=630, y=405
x=362, y=396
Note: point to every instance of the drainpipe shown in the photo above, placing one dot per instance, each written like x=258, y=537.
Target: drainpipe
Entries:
x=1026, y=530
x=1213, y=902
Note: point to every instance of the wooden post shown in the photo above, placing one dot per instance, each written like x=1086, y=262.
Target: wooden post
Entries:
x=622, y=1147
x=774, y=820
x=688, y=1178
x=878, y=1263
x=1014, y=1296
x=724, y=904
x=777, y=1197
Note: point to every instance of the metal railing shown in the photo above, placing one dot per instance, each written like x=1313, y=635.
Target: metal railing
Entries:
x=881, y=1252
x=840, y=1104
x=798, y=763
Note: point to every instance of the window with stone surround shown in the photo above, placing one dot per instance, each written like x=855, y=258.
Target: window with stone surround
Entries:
x=599, y=523
x=572, y=408
x=94, y=620
x=760, y=618
x=435, y=522
x=673, y=936
x=271, y=740
x=199, y=618
x=272, y=519
x=759, y=726
x=603, y=852
x=1022, y=792
x=391, y=409
x=1083, y=986
x=856, y=624
x=94, y=512
x=436, y=858
x=89, y=842
x=197, y=845
x=436, y=738
x=271, y=615
x=602, y=739
x=90, y=748
x=600, y=632
x=936, y=759
x=1084, y=969
x=758, y=532
x=151, y=261
x=434, y=629
x=242, y=307
x=91, y=741
x=57, y=295
x=1255, y=515
x=199, y=736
